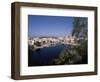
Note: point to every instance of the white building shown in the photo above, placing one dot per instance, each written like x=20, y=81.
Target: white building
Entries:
x=52, y=41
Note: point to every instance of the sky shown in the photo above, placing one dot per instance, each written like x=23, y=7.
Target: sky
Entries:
x=56, y=26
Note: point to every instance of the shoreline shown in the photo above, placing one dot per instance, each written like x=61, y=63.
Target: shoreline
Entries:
x=50, y=45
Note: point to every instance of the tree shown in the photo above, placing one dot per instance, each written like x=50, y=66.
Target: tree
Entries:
x=72, y=55
x=80, y=27
x=75, y=54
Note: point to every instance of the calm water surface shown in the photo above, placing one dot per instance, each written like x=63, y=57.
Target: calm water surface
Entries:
x=45, y=55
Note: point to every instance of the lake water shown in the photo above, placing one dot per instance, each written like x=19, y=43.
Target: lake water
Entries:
x=43, y=56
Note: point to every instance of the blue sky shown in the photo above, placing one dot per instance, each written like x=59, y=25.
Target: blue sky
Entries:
x=49, y=25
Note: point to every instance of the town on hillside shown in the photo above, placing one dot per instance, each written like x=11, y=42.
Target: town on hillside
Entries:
x=41, y=42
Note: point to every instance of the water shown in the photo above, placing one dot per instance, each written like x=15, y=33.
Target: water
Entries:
x=44, y=55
